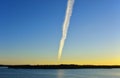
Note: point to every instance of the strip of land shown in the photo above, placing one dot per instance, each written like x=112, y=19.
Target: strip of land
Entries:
x=62, y=66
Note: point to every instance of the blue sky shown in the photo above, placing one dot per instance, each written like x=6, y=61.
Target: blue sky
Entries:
x=30, y=31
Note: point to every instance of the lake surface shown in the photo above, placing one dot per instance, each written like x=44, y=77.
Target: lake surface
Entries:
x=59, y=73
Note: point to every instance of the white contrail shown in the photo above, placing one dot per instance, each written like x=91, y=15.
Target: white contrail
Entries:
x=65, y=26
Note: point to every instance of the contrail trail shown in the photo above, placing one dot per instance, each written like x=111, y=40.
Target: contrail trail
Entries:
x=65, y=26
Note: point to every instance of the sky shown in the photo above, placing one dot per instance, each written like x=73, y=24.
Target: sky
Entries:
x=30, y=32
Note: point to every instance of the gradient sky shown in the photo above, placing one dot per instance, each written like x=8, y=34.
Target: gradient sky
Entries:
x=30, y=31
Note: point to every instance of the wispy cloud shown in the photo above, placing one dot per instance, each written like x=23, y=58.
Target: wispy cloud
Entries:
x=65, y=26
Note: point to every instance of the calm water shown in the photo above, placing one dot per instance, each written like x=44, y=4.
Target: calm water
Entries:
x=62, y=73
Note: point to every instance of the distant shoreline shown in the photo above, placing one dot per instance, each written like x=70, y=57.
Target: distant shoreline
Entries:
x=62, y=66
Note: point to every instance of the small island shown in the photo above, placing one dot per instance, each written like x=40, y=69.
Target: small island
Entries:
x=61, y=66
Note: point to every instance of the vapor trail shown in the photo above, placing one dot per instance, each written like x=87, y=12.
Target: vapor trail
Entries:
x=65, y=26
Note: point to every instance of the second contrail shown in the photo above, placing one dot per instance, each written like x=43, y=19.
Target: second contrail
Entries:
x=65, y=26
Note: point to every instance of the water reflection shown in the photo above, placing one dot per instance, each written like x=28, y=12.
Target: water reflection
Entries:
x=60, y=74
